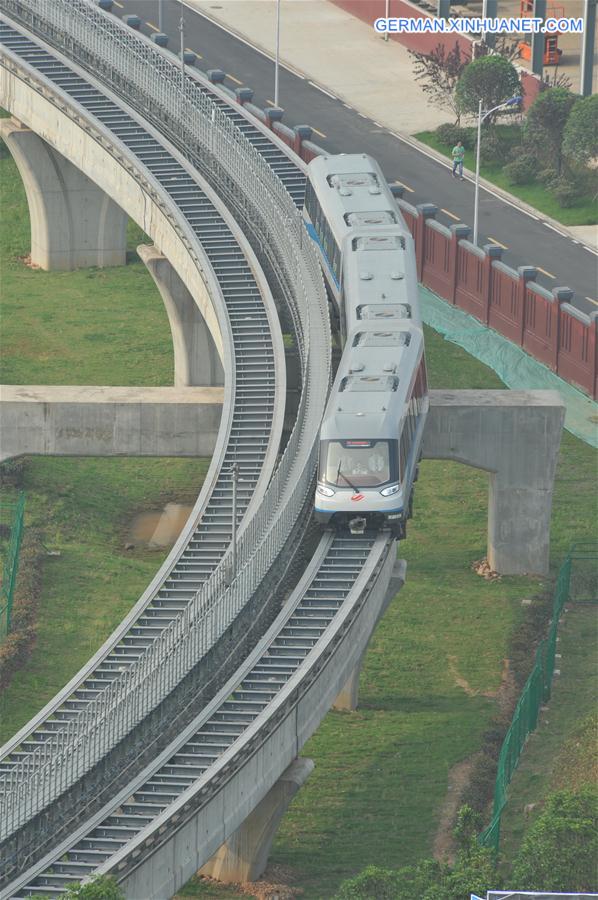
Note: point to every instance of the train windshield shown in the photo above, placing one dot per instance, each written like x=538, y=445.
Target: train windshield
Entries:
x=356, y=463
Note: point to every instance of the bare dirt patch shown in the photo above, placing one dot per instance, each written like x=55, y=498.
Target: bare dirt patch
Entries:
x=458, y=779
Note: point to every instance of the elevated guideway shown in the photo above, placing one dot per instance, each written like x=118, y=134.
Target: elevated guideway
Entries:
x=114, y=771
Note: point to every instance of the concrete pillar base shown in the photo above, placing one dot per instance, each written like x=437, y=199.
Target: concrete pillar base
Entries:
x=74, y=224
x=196, y=359
x=514, y=435
x=245, y=855
x=348, y=698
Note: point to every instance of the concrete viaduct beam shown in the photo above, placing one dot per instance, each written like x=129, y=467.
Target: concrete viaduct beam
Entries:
x=196, y=359
x=74, y=223
x=109, y=421
x=244, y=856
x=514, y=435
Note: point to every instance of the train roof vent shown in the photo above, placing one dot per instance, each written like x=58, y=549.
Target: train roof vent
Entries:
x=369, y=219
x=378, y=242
x=380, y=311
x=369, y=383
x=382, y=339
x=350, y=181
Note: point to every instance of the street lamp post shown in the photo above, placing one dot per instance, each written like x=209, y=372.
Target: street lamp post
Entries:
x=277, y=59
x=160, y=16
x=481, y=117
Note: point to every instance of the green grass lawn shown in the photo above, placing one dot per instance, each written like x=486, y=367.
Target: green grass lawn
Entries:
x=536, y=195
x=83, y=508
x=91, y=326
x=429, y=684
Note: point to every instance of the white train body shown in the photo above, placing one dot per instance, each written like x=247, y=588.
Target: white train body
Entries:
x=370, y=440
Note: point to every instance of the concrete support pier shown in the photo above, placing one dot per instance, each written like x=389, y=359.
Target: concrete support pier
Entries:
x=515, y=436
x=244, y=856
x=348, y=698
x=74, y=224
x=196, y=359
x=109, y=421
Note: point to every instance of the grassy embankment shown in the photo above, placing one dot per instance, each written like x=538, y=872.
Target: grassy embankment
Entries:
x=429, y=686
x=583, y=213
x=94, y=326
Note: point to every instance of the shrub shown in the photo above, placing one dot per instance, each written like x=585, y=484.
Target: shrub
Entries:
x=450, y=134
x=372, y=882
x=15, y=648
x=481, y=782
x=580, y=135
x=12, y=472
x=560, y=849
x=522, y=170
x=567, y=191
x=545, y=124
x=493, y=148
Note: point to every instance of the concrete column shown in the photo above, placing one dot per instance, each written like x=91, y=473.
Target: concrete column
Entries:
x=348, y=697
x=587, y=48
x=196, y=360
x=514, y=435
x=245, y=855
x=537, y=59
x=74, y=224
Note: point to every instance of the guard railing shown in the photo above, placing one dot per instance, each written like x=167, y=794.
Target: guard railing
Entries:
x=155, y=86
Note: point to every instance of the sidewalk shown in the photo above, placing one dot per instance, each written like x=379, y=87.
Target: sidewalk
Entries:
x=373, y=76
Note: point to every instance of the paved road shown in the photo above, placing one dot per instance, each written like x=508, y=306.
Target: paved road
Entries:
x=527, y=241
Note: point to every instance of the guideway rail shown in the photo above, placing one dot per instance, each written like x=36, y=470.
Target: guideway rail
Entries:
x=297, y=646
x=191, y=121
x=251, y=425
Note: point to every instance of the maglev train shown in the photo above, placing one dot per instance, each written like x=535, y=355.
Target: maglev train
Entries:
x=371, y=434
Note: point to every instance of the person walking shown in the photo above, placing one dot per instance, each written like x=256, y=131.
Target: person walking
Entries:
x=458, y=155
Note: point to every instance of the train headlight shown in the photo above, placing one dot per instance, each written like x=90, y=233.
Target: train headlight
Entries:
x=389, y=491
x=324, y=491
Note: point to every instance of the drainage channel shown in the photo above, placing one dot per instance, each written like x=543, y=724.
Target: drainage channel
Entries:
x=290, y=643
x=255, y=389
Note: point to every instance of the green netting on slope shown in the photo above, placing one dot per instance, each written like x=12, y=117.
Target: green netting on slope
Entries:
x=513, y=365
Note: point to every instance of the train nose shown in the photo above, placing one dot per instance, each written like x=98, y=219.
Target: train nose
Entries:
x=357, y=525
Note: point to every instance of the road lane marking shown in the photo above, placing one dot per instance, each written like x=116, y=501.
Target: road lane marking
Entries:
x=544, y=272
x=377, y=124
x=406, y=186
x=152, y=26
x=317, y=132
x=449, y=213
x=595, y=302
x=120, y=5
x=324, y=91
x=189, y=50
x=590, y=249
x=552, y=228
x=494, y=241
x=232, y=78
x=346, y=105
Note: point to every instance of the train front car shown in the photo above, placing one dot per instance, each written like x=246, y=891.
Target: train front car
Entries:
x=373, y=424
x=371, y=433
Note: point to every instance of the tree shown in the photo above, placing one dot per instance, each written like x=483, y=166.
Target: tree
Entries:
x=491, y=79
x=580, y=135
x=559, y=851
x=439, y=72
x=546, y=122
